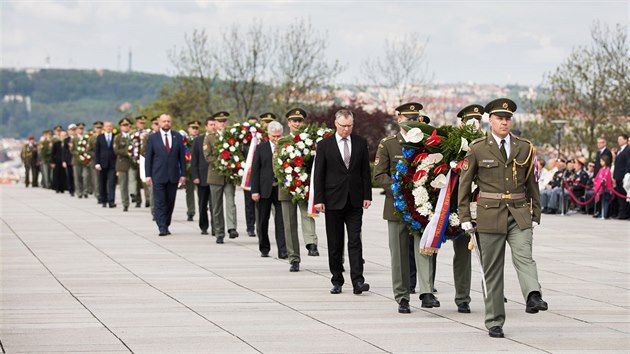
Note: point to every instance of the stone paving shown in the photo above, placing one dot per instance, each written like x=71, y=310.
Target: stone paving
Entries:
x=76, y=277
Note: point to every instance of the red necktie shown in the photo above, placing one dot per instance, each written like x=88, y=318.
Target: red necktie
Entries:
x=168, y=147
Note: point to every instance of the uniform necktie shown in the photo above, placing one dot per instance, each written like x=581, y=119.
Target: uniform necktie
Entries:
x=346, y=153
x=168, y=147
x=503, y=152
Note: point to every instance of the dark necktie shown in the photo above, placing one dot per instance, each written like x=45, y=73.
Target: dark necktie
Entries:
x=503, y=152
x=168, y=147
x=346, y=153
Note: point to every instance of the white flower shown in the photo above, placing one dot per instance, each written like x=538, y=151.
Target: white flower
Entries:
x=300, y=145
x=320, y=132
x=232, y=166
x=290, y=148
x=226, y=145
x=253, y=129
x=439, y=181
x=236, y=158
x=297, y=169
x=303, y=177
x=303, y=136
x=232, y=149
x=289, y=177
x=288, y=170
x=233, y=130
x=453, y=219
x=312, y=152
x=433, y=158
x=279, y=161
x=308, y=142
x=298, y=190
x=240, y=172
x=414, y=135
x=307, y=152
x=237, y=144
x=292, y=155
x=464, y=145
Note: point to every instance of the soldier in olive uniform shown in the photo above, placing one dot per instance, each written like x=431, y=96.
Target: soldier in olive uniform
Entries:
x=295, y=118
x=29, y=159
x=508, y=208
x=193, y=132
x=80, y=169
x=134, y=169
x=94, y=185
x=220, y=186
x=45, y=157
x=387, y=156
x=123, y=161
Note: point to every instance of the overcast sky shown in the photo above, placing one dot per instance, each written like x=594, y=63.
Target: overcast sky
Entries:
x=499, y=42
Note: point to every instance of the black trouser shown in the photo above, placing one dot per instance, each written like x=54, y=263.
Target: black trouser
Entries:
x=205, y=204
x=264, y=213
x=164, y=195
x=70, y=178
x=107, y=184
x=351, y=217
x=250, y=212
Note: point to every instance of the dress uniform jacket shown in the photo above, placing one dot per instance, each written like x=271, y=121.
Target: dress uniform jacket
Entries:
x=214, y=177
x=121, y=149
x=385, y=167
x=502, y=179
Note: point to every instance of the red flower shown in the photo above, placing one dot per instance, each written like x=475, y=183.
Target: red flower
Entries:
x=420, y=157
x=419, y=174
x=286, y=164
x=248, y=137
x=238, y=165
x=286, y=145
x=298, y=182
x=296, y=138
x=188, y=156
x=225, y=154
x=292, y=189
x=433, y=140
x=294, y=174
x=231, y=141
x=265, y=138
x=243, y=128
x=439, y=169
x=298, y=161
x=327, y=135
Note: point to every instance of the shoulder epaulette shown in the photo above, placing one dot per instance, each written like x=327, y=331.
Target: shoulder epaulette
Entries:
x=522, y=139
x=388, y=138
x=477, y=140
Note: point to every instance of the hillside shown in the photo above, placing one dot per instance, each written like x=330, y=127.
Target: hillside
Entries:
x=34, y=100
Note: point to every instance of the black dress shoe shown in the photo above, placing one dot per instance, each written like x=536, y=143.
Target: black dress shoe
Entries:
x=283, y=255
x=80, y=196
x=495, y=332
x=190, y=218
x=535, y=303
x=312, y=250
x=219, y=239
x=251, y=234
x=463, y=308
x=126, y=208
x=360, y=288
x=168, y=232
x=264, y=254
x=336, y=289
x=112, y=205
x=295, y=267
x=104, y=205
x=138, y=205
x=147, y=205
x=162, y=233
x=429, y=301
x=233, y=233
x=403, y=306
x=204, y=232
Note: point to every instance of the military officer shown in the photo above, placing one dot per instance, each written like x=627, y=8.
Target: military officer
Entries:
x=508, y=208
x=193, y=133
x=80, y=169
x=265, y=118
x=69, y=158
x=388, y=154
x=134, y=169
x=123, y=160
x=29, y=159
x=44, y=154
x=97, y=127
x=220, y=186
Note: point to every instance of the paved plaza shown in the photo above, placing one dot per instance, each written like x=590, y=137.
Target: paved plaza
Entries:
x=76, y=277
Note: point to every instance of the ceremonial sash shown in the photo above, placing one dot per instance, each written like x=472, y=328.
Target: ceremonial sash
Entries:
x=433, y=234
x=310, y=209
x=246, y=183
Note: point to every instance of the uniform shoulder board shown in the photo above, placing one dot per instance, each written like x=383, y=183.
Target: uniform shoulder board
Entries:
x=522, y=139
x=388, y=138
x=477, y=140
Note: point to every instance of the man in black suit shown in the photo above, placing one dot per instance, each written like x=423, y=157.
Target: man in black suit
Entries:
x=106, y=165
x=165, y=168
x=602, y=150
x=199, y=173
x=342, y=190
x=67, y=157
x=621, y=167
x=265, y=193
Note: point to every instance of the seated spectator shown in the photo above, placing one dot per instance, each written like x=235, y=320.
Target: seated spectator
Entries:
x=580, y=182
x=550, y=196
x=546, y=174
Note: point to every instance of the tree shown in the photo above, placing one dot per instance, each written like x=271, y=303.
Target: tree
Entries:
x=244, y=60
x=400, y=73
x=300, y=68
x=590, y=89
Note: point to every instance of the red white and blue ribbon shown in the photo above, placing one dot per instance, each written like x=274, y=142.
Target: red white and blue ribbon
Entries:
x=246, y=182
x=433, y=234
x=310, y=209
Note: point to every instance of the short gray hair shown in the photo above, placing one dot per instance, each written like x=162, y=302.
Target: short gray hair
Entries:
x=344, y=113
x=274, y=127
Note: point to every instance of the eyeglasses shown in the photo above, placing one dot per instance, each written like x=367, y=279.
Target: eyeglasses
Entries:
x=346, y=126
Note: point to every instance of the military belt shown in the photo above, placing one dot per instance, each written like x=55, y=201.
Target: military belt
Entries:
x=501, y=195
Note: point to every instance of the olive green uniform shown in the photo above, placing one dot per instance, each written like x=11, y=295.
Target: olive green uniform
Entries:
x=80, y=170
x=29, y=159
x=123, y=165
x=289, y=218
x=387, y=156
x=509, y=201
x=219, y=187
x=148, y=196
x=44, y=149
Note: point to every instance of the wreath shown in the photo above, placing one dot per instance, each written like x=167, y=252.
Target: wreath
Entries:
x=135, y=144
x=429, y=155
x=82, y=149
x=294, y=159
x=230, y=147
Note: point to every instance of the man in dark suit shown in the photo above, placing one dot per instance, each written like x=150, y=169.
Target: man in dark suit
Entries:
x=199, y=173
x=265, y=193
x=621, y=167
x=342, y=190
x=165, y=167
x=602, y=150
x=106, y=165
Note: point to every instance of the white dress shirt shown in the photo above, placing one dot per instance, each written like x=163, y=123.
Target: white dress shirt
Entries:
x=167, y=135
x=507, y=143
x=340, y=144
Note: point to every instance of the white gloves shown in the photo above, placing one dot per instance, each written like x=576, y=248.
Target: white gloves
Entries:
x=467, y=226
